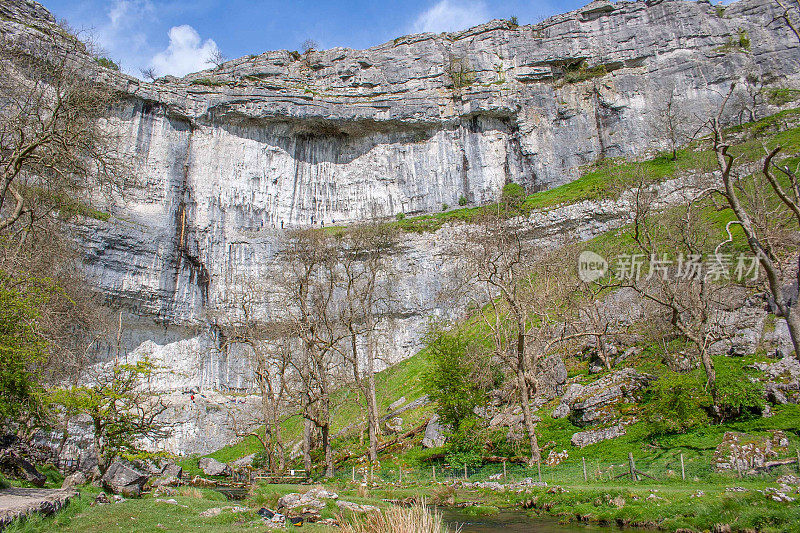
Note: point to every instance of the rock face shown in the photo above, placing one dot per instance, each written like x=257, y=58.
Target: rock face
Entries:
x=231, y=157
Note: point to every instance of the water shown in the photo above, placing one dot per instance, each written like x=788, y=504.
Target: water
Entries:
x=516, y=522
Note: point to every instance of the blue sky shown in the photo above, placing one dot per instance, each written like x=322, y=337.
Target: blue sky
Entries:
x=178, y=36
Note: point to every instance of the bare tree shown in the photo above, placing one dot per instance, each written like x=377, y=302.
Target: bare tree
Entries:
x=791, y=15
x=217, y=58
x=671, y=121
x=760, y=222
x=148, y=73
x=269, y=350
x=527, y=298
x=308, y=46
x=309, y=262
x=366, y=299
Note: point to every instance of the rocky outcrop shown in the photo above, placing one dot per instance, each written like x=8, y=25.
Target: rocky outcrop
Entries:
x=598, y=402
x=593, y=436
x=229, y=158
x=18, y=503
x=745, y=453
x=434, y=433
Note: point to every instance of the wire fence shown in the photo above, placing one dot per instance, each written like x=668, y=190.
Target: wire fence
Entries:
x=672, y=466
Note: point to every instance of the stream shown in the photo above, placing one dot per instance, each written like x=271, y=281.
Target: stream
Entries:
x=515, y=522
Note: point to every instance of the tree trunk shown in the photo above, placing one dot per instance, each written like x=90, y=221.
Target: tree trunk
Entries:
x=326, y=445
x=793, y=322
x=372, y=404
x=307, y=429
x=525, y=397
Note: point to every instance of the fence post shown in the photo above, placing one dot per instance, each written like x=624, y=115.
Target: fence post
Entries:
x=632, y=466
x=434, y=472
x=505, y=477
x=465, y=471
x=401, y=475
x=539, y=467
x=585, y=477
x=683, y=469
x=370, y=472
x=797, y=451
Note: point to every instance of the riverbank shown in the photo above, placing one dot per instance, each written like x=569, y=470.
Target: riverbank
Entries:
x=733, y=505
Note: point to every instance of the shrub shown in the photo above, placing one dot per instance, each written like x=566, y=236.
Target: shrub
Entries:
x=107, y=63
x=454, y=378
x=514, y=22
x=445, y=207
x=462, y=201
x=744, y=39
x=738, y=396
x=513, y=195
x=400, y=216
x=677, y=403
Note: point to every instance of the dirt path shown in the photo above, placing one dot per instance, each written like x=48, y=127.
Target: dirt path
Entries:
x=16, y=502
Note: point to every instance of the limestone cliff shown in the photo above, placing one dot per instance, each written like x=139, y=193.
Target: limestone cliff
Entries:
x=229, y=157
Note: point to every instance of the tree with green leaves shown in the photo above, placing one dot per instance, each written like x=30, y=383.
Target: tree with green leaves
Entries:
x=123, y=407
x=22, y=351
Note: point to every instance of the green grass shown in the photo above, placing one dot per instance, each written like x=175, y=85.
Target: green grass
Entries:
x=207, y=82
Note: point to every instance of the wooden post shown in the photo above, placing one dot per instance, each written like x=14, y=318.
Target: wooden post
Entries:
x=612, y=473
x=370, y=472
x=465, y=470
x=505, y=476
x=797, y=451
x=585, y=477
x=683, y=469
x=539, y=467
x=632, y=466
x=434, y=472
x=354, y=474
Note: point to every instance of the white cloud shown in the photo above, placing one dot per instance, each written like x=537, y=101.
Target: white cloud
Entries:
x=186, y=52
x=451, y=15
x=122, y=35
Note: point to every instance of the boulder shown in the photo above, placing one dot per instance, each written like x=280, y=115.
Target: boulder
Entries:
x=212, y=467
x=321, y=493
x=164, y=481
x=21, y=467
x=171, y=469
x=598, y=401
x=593, y=436
x=357, y=508
x=434, y=433
x=397, y=404
x=124, y=479
x=245, y=461
x=73, y=480
x=394, y=424
x=305, y=505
